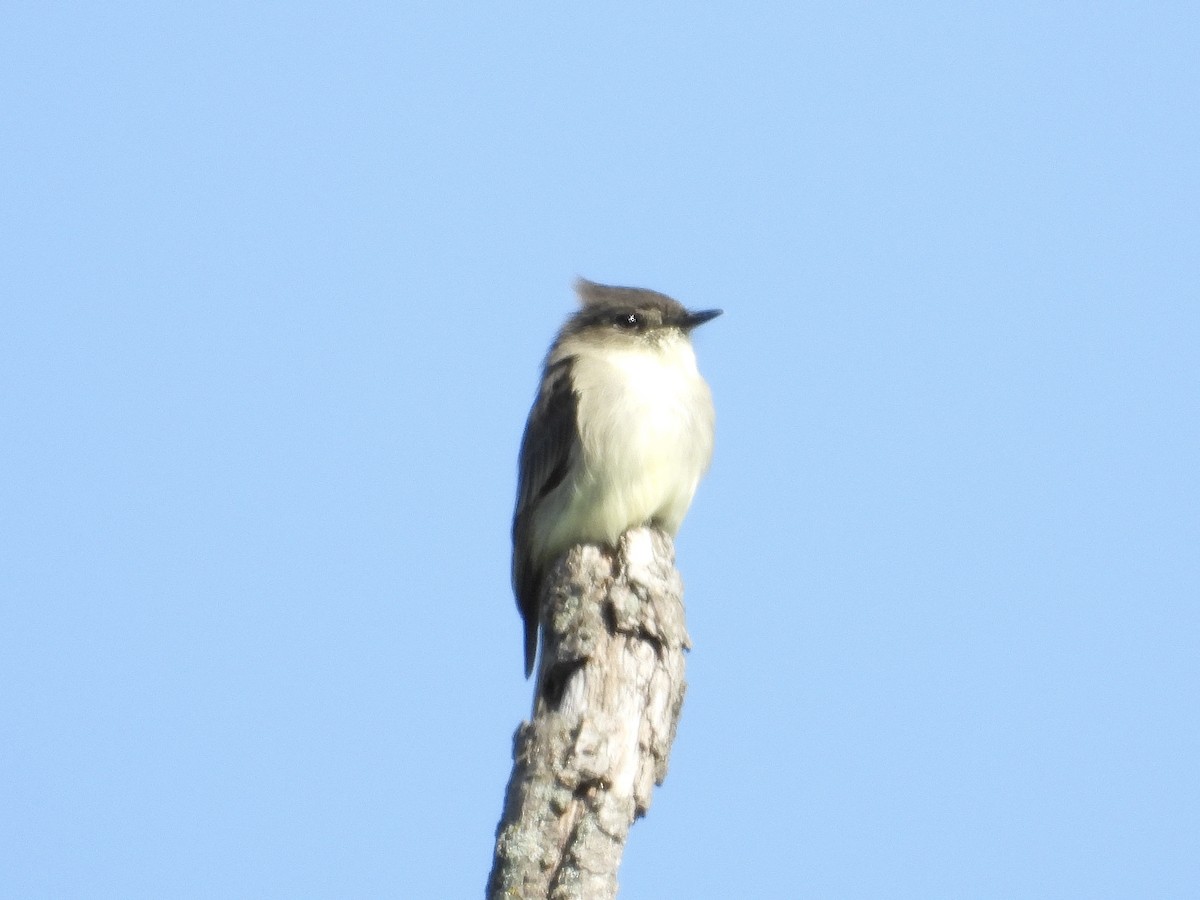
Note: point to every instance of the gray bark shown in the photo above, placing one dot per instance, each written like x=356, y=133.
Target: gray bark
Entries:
x=608, y=695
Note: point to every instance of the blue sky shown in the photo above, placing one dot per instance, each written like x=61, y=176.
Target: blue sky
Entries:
x=276, y=283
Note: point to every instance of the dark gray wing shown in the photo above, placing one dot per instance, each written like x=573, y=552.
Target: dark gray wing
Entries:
x=546, y=458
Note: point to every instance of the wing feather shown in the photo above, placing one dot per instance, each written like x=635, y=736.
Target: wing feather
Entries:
x=547, y=451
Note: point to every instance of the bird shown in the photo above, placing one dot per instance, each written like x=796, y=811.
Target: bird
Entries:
x=619, y=435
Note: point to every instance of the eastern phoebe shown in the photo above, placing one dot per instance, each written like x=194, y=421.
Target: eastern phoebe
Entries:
x=618, y=437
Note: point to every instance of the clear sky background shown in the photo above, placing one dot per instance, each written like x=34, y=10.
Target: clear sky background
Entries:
x=276, y=280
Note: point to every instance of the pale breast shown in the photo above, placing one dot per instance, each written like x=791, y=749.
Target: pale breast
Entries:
x=646, y=421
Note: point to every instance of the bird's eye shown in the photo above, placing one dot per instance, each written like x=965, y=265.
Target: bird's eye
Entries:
x=627, y=320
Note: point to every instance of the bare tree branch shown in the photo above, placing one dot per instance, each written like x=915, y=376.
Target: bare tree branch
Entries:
x=610, y=688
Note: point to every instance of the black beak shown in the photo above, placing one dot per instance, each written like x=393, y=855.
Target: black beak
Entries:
x=692, y=319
